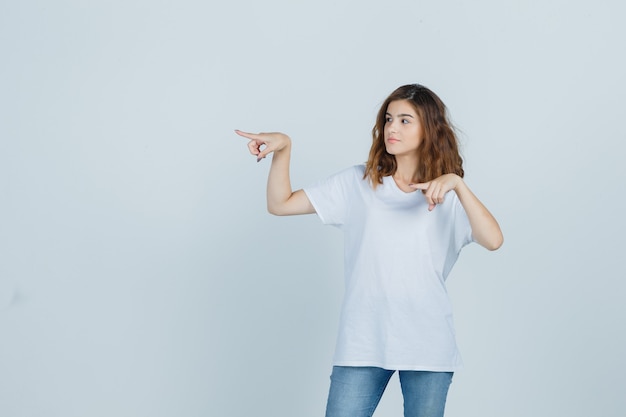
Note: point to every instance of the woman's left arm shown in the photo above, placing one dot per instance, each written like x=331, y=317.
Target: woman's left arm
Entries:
x=485, y=229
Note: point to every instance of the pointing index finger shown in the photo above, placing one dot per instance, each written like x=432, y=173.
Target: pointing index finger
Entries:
x=247, y=135
x=421, y=185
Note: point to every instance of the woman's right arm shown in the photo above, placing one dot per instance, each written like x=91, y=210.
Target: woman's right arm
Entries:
x=281, y=200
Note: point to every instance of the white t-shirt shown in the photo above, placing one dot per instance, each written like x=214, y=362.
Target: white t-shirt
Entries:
x=396, y=313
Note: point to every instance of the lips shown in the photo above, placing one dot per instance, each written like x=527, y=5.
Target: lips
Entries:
x=392, y=140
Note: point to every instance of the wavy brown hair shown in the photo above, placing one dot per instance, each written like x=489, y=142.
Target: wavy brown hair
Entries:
x=438, y=152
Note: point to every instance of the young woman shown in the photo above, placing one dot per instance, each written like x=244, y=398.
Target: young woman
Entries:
x=400, y=246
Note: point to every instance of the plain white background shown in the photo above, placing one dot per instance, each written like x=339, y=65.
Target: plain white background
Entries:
x=140, y=274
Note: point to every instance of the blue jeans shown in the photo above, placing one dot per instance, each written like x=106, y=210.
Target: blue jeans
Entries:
x=356, y=391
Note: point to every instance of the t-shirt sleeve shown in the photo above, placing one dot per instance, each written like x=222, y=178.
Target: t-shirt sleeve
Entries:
x=331, y=197
x=462, y=228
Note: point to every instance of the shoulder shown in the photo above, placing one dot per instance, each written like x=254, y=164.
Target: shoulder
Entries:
x=357, y=171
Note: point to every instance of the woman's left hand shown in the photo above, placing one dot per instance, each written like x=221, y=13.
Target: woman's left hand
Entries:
x=485, y=229
x=435, y=190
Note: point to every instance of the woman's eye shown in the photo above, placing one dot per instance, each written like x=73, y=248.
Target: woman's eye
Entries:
x=405, y=121
x=388, y=119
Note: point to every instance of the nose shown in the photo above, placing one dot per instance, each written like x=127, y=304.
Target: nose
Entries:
x=392, y=127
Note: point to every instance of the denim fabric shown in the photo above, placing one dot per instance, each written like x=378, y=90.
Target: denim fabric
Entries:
x=356, y=391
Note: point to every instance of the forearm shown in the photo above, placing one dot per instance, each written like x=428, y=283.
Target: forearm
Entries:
x=281, y=200
x=278, y=182
x=485, y=228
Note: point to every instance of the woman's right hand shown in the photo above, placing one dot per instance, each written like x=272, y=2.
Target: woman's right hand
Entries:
x=271, y=142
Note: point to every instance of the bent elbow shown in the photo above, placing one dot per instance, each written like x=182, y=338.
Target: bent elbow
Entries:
x=275, y=210
x=495, y=244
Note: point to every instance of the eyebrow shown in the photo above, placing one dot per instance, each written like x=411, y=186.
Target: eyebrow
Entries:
x=401, y=115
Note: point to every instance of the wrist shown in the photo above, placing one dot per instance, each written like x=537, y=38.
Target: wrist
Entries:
x=286, y=144
x=459, y=183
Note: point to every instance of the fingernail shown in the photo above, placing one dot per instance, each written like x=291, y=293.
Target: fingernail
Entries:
x=258, y=159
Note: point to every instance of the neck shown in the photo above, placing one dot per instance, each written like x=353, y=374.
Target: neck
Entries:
x=406, y=170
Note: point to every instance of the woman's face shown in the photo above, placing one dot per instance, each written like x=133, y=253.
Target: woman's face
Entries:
x=403, y=130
